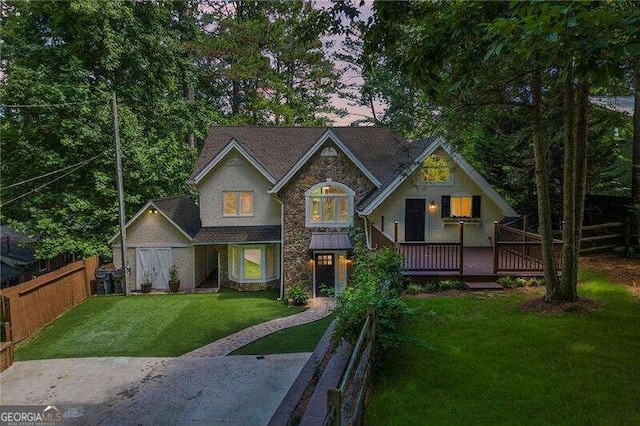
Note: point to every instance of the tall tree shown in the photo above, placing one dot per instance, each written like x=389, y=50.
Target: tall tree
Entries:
x=529, y=55
x=269, y=61
x=61, y=61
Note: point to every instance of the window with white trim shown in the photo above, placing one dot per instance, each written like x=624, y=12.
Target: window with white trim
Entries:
x=329, y=204
x=237, y=203
x=253, y=263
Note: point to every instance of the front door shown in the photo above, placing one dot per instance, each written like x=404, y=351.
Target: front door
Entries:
x=325, y=271
x=414, y=217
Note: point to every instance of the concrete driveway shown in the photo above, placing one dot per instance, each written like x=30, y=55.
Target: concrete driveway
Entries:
x=237, y=390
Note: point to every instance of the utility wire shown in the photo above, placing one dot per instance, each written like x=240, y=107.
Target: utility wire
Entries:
x=51, y=105
x=38, y=188
x=51, y=173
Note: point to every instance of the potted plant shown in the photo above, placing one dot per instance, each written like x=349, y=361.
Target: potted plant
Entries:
x=174, y=282
x=145, y=286
x=297, y=295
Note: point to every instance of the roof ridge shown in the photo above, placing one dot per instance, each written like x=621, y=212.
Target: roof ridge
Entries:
x=170, y=198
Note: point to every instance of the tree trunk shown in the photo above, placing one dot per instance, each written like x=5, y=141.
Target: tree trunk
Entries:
x=191, y=136
x=635, y=157
x=541, y=152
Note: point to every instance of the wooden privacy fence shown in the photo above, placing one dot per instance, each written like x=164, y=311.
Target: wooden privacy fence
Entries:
x=6, y=341
x=39, y=301
x=520, y=251
x=345, y=404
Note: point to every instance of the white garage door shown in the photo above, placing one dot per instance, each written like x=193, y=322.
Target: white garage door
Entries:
x=152, y=264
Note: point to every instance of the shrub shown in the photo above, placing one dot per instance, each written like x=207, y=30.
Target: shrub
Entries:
x=513, y=282
x=507, y=282
x=431, y=287
x=376, y=281
x=298, y=294
x=444, y=285
x=414, y=289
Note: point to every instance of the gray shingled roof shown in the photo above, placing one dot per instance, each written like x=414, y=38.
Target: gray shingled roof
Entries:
x=182, y=211
x=238, y=234
x=380, y=150
x=415, y=149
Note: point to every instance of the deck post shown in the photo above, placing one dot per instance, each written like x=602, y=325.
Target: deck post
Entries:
x=495, y=247
x=461, y=266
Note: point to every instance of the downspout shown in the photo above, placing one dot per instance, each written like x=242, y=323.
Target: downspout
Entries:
x=366, y=230
x=281, y=247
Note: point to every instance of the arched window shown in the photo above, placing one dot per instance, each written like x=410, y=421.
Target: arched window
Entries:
x=435, y=170
x=329, y=204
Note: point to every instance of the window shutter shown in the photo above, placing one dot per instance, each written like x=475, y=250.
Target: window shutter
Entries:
x=476, y=206
x=445, y=211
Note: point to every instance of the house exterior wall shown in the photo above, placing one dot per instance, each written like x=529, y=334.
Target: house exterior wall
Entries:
x=297, y=237
x=155, y=231
x=235, y=173
x=476, y=234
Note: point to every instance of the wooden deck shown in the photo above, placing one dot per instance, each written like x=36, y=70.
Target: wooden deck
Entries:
x=477, y=264
x=515, y=252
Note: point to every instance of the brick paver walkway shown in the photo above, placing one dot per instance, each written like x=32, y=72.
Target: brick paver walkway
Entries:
x=319, y=308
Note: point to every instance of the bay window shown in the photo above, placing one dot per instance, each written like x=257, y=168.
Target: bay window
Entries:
x=253, y=263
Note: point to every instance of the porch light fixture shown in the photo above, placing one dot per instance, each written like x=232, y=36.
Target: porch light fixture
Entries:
x=432, y=207
x=153, y=211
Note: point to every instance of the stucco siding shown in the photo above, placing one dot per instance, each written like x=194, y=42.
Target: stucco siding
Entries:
x=153, y=230
x=393, y=208
x=235, y=173
x=182, y=257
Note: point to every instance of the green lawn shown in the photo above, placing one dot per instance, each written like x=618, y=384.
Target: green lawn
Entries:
x=492, y=364
x=301, y=338
x=151, y=325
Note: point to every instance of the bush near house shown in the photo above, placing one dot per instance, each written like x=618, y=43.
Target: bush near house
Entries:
x=376, y=281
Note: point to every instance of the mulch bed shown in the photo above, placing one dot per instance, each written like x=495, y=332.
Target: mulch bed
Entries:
x=540, y=306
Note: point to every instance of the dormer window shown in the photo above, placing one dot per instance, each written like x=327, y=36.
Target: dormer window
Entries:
x=435, y=170
x=329, y=204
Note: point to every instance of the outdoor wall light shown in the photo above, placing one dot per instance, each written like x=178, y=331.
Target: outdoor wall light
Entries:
x=432, y=207
x=153, y=211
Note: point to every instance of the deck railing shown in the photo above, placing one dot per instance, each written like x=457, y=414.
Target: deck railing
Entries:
x=431, y=256
x=520, y=251
x=379, y=239
x=422, y=256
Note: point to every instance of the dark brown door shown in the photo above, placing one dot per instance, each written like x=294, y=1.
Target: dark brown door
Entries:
x=325, y=272
x=414, y=215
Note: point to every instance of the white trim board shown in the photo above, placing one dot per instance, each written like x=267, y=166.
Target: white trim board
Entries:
x=460, y=161
x=233, y=144
x=311, y=151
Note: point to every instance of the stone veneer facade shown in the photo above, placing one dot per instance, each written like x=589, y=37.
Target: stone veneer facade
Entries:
x=297, y=236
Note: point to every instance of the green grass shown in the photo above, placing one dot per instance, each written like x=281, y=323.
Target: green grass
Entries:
x=150, y=325
x=492, y=364
x=301, y=338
